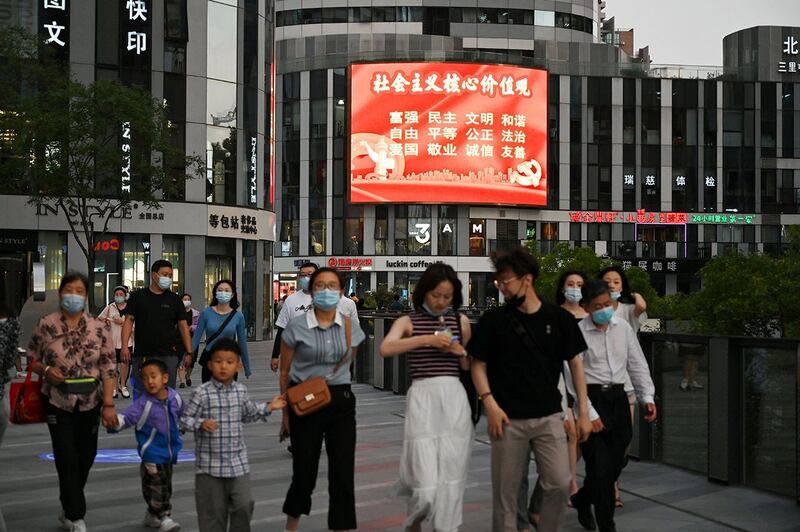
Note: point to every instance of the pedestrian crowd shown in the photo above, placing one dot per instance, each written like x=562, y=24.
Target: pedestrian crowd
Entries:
x=557, y=380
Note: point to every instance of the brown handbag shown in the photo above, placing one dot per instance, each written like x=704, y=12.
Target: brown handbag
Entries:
x=313, y=394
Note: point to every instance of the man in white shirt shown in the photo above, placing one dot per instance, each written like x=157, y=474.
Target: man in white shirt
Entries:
x=612, y=351
x=300, y=303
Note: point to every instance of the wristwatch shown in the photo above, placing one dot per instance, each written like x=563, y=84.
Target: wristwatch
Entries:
x=483, y=396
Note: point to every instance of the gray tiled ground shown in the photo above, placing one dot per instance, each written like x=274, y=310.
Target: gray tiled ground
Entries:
x=657, y=498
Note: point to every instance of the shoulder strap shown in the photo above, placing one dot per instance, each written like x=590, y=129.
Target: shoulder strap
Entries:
x=221, y=327
x=348, y=334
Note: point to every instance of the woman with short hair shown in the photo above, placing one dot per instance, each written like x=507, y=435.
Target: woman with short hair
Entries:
x=72, y=344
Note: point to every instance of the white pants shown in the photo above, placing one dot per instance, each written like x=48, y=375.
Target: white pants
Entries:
x=436, y=452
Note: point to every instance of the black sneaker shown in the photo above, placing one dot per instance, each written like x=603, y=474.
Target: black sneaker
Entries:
x=181, y=385
x=585, y=517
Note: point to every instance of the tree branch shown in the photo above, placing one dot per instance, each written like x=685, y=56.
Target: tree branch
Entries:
x=72, y=227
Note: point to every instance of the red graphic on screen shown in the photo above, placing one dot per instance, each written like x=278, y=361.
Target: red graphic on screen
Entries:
x=448, y=133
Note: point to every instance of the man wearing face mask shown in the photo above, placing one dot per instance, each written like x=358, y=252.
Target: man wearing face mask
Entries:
x=612, y=350
x=518, y=354
x=158, y=312
x=301, y=302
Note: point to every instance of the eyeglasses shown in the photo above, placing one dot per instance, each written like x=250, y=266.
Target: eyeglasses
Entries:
x=329, y=286
x=498, y=283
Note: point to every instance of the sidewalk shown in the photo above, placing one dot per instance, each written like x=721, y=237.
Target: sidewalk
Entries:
x=657, y=498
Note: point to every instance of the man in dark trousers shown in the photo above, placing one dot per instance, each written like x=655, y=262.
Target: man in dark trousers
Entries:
x=613, y=353
x=157, y=311
x=518, y=354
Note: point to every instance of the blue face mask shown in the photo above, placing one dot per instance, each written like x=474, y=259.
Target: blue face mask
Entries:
x=303, y=283
x=73, y=303
x=224, y=297
x=326, y=299
x=603, y=316
x=119, y=300
x=573, y=295
x=164, y=283
x=430, y=311
x=615, y=295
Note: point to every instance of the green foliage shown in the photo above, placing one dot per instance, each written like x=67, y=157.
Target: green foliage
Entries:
x=382, y=297
x=563, y=257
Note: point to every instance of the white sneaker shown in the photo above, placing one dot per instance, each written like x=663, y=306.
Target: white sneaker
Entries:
x=79, y=526
x=66, y=524
x=168, y=525
x=151, y=520
x=125, y=392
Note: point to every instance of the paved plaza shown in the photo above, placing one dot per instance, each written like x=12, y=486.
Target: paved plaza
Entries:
x=657, y=498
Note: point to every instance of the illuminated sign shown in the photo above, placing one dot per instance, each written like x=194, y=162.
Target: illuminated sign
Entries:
x=711, y=182
x=136, y=15
x=640, y=217
x=111, y=244
x=738, y=219
x=421, y=232
x=448, y=133
x=350, y=263
x=126, y=157
x=54, y=25
x=253, y=170
x=790, y=48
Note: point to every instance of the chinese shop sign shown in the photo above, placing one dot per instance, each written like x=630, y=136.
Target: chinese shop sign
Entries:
x=350, y=263
x=448, y=133
x=640, y=217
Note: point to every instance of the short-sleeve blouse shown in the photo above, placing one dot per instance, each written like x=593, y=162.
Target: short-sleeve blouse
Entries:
x=85, y=351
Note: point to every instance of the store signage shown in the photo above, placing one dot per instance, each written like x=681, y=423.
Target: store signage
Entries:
x=731, y=219
x=233, y=222
x=640, y=217
x=665, y=265
x=350, y=263
x=421, y=232
x=791, y=48
x=476, y=228
x=680, y=181
x=245, y=223
x=629, y=180
x=253, y=171
x=711, y=181
x=126, y=157
x=91, y=212
x=136, y=13
x=12, y=241
x=54, y=17
x=111, y=244
x=402, y=264
x=448, y=133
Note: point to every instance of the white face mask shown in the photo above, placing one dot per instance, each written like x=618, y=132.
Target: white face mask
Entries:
x=3, y=320
x=187, y=304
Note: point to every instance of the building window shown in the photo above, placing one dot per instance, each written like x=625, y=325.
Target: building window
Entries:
x=477, y=237
x=447, y=230
x=172, y=250
x=135, y=261
x=53, y=252
x=221, y=165
x=381, y=230
x=220, y=255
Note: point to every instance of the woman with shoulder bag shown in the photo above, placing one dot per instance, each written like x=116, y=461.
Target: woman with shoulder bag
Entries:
x=221, y=320
x=318, y=344
x=73, y=352
x=438, y=429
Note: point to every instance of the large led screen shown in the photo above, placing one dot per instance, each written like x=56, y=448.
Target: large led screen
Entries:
x=448, y=133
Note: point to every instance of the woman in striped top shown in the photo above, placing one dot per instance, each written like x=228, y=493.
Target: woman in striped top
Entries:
x=438, y=429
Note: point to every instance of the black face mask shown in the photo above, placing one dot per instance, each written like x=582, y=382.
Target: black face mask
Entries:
x=516, y=300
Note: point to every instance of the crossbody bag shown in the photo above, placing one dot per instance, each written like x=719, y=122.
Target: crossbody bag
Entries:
x=312, y=395
x=210, y=339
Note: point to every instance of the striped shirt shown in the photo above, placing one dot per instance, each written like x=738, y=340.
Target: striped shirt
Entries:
x=427, y=362
x=221, y=453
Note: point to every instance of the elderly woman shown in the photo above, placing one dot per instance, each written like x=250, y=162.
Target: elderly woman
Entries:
x=438, y=431
x=66, y=345
x=312, y=345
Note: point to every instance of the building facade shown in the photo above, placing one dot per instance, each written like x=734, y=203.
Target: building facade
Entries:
x=212, y=63
x=659, y=168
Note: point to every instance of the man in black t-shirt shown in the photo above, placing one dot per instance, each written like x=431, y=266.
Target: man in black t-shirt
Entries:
x=519, y=352
x=158, y=313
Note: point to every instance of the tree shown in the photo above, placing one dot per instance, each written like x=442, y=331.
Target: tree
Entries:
x=90, y=150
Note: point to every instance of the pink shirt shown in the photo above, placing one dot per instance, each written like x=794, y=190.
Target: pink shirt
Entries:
x=111, y=312
x=85, y=351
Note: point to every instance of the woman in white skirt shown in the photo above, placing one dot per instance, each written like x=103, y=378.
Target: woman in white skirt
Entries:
x=438, y=428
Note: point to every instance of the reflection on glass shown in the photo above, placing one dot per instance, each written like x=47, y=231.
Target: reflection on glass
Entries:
x=680, y=435
x=221, y=103
x=221, y=62
x=172, y=250
x=316, y=235
x=544, y=18
x=221, y=165
x=353, y=233
x=53, y=252
x=447, y=231
x=135, y=261
x=770, y=414
x=217, y=267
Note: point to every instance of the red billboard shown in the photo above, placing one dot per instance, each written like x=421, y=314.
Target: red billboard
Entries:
x=448, y=133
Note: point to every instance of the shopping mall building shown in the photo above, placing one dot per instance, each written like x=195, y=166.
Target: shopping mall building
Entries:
x=589, y=143
x=658, y=167
x=211, y=62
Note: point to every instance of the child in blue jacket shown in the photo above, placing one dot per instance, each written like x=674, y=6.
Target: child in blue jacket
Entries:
x=156, y=415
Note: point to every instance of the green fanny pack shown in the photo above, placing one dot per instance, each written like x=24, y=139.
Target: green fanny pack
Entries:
x=81, y=386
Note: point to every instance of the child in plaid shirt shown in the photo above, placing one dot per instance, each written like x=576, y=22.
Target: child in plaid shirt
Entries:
x=156, y=415
x=216, y=413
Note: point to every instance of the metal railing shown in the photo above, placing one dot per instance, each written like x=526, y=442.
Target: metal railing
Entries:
x=728, y=406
